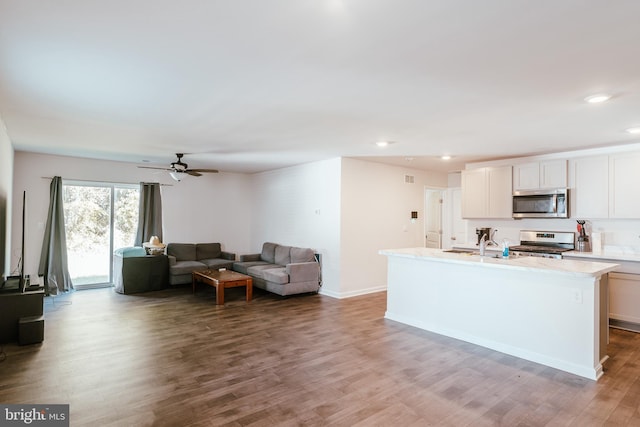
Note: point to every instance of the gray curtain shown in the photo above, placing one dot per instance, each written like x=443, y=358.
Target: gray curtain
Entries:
x=53, y=257
x=150, y=213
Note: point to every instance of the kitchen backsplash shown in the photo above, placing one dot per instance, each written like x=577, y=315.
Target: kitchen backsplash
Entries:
x=617, y=235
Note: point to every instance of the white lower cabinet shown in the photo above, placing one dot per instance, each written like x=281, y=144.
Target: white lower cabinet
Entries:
x=624, y=293
x=624, y=297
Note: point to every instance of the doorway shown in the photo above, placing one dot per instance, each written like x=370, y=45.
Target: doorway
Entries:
x=433, y=200
x=98, y=217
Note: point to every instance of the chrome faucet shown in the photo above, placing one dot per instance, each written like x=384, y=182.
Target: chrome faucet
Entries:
x=492, y=241
x=483, y=244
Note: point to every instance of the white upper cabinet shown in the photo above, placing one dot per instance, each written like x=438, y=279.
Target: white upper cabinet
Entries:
x=500, y=192
x=474, y=193
x=540, y=175
x=624, y=185
x=590, y=194
x=487, y=192
x=526, y=176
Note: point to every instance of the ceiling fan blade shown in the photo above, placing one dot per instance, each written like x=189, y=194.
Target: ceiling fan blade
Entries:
x=204, y=170
x=152, y=167
x=193, y=173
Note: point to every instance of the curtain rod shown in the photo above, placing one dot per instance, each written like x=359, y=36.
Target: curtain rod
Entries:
x=106, y=182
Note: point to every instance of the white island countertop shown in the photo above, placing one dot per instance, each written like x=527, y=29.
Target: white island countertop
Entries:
x=578, y=268
x=549, y=311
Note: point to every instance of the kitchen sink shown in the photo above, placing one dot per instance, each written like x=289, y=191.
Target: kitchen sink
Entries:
x=470, y=252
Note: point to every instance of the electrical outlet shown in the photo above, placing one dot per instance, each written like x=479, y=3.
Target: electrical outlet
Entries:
x=577, y=296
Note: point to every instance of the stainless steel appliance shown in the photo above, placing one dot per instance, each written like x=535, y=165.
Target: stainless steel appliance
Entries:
x=547, y=244
x=551, y=203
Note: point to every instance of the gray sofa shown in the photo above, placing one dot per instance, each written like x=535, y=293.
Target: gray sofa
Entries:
x=185, y=258
x=283, y=270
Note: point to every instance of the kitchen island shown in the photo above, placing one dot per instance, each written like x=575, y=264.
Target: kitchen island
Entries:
x=549, y=311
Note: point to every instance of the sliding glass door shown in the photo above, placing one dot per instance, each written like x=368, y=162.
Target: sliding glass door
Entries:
x=99, y=217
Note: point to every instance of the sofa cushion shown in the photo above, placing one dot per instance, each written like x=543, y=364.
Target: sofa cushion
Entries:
x=217, y=263
x=276, y=275
x=208, y=251
x=243, y=266
x=268, y=252
x=282, y=255
x=302, y=255
x=258, y=270
x=186, y=267
x=182, y=251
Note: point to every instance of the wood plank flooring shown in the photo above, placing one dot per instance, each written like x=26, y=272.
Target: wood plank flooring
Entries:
x=171, y=358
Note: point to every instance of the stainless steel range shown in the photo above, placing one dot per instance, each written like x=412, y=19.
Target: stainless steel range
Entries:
x=547, y=244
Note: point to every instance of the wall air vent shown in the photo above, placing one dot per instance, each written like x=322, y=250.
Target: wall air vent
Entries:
x=409, y=179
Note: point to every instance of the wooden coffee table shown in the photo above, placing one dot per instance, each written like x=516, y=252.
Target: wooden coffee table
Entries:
x=221, y=280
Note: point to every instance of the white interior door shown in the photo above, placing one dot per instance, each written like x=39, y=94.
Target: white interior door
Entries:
x=458, y=225
x=433, y=218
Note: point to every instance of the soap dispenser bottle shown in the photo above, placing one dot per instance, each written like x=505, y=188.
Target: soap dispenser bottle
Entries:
x=505, y=248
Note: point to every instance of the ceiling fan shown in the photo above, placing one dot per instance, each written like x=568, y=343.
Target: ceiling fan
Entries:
x=179, y=169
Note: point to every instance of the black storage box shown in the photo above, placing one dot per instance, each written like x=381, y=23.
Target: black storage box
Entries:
x=30, y=330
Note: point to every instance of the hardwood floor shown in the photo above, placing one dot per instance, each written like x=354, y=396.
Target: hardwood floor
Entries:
x=170, y=358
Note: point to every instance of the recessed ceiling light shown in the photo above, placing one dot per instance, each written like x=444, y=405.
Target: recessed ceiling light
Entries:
x=446, y=157
x=382, y=143
x=595, y=99
x=634, y=130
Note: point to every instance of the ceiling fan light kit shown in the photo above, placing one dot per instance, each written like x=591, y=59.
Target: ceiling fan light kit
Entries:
x=177, y=176
x=179, y=169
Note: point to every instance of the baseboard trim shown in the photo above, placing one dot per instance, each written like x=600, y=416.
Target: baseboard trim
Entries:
x=351, y=294
x=622, y=324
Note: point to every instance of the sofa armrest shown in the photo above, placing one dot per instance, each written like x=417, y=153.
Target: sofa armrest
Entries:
x=228, y=255
x=250, y=257
x=172, y=260
x=303, y=271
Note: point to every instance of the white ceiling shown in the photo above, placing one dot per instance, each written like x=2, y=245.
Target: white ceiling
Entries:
x=251, y=85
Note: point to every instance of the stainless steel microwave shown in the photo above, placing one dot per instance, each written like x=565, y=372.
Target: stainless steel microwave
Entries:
x=550, y=203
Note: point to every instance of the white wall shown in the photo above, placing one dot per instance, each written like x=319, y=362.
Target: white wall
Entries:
x=376, y=208
x=6, y=186
x=213, y=207
x=300, y=206
x=345, y=209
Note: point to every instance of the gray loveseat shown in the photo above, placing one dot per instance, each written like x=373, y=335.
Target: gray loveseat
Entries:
x=283, y=270
x=185, y=258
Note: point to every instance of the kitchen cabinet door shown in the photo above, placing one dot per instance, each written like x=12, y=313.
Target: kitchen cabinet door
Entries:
x=500, y=192
x=487, y=192
x=553, y=174
x=590, y=195
x=526, y=176
x=474, y=193
x=624, y=179
x=624, y=297
x=540, y=175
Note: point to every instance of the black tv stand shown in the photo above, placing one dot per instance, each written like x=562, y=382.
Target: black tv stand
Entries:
x=16, y=305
